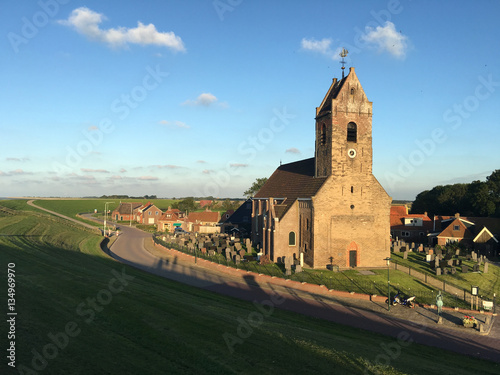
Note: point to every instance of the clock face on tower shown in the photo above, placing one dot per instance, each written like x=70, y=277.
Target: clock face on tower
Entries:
x=351, y=153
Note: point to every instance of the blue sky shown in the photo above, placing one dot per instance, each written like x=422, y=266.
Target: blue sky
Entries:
x=183, y=98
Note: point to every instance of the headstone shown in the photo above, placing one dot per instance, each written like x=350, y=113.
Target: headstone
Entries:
x=238, y=246
x=438, y=271
x=485, y=270
x=445, y=271
x=412, y=246
x=453, y=270
x=465, y=269
x=474, y=256
x=219, y=249
x=288, y=271
x=420, y=248
x=248, y=244
x=241, y=253
x=405, y=255
x=457, y=252
x=439, y=252
x=431, y=251
x=237, y=259
x=298, y=268
x=450, y=262
x=211, y=253
x=428, y=258
x=475, y=268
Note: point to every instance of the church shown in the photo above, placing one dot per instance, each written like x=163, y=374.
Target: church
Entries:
x=329, y=209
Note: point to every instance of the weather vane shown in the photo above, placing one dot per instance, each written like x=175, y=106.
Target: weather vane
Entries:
x=343, y=54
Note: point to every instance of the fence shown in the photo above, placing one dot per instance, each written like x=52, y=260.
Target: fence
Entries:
x=458, y=293
x=331, y=280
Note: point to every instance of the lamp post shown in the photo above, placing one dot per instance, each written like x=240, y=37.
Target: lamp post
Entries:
x=105, y=216
x=130, y=215
x=389, y=302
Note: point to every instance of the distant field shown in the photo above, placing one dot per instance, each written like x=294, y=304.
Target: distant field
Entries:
x=149, y=325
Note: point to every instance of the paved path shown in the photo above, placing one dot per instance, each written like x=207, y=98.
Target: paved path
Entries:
x=419, y=323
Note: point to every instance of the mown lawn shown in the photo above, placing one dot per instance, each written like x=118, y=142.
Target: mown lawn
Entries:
x=148, y=325
x=489, y=283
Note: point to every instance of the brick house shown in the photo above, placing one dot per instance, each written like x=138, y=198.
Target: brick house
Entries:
x=148, y=214
x=126, y=211
x=203, y=222
x=409, y=227
x=171, y=219
x=330, y=209
x=478, y=233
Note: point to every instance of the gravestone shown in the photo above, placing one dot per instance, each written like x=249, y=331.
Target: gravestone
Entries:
x=420, y=248
x=248, y=244
x=431, y=251
x=288, y=271
x=438, y=271
x=298, y=268
x=428, y=258
x=474, y=256
x=457, y=252
x=445, y=271
x=475, y=268
x=412, y=246
x=450, y=262
x=219, y=250
x=203, y=250
x=237, y=259
x=465, y=269
x=439, y=252
x=405, y=255
x=211, y=253
x=238, y=246
x=241, y=253
x=453, y=270
x=485, y=270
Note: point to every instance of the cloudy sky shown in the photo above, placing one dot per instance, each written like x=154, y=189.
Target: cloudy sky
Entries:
x=182, y=98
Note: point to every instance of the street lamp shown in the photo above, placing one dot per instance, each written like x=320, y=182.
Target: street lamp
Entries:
x=389, y=302
x=105, y=216
x=130, y=214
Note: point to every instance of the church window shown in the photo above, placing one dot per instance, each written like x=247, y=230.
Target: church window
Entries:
x=352, y=189
x=352, y=132
x=323, y=134
x=352, y=207
x=291, y=239
x=352, y=91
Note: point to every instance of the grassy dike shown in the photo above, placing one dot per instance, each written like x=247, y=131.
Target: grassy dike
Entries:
x=80, y=312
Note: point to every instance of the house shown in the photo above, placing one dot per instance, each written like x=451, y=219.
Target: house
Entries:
x=241, y=219
x=148, y=214
x=479, y=233
x=329, y=209
x=409, y=227
x=126, y=211
x=203, y=222
x=171, y=219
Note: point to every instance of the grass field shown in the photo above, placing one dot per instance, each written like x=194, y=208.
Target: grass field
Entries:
x=148, y=325
x=488, y=283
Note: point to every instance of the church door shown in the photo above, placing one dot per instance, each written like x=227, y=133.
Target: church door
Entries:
x=353, y=255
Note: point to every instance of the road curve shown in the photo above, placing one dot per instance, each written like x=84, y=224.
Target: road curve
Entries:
x=129, y=249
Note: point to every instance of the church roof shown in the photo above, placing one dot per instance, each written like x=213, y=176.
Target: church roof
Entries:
x=333, y=91
x=292, y=180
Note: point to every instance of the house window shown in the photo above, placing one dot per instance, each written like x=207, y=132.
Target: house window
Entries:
x=156, y=212
x=149, y=213
x=405, y=234
x=291, y=239
x=421, y=234
x=352, y=132
x=456, y=227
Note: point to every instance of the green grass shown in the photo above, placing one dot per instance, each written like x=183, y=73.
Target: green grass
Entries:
x=156, y=326
x=489, y=283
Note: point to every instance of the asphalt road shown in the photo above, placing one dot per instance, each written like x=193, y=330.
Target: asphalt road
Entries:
x=420, y=328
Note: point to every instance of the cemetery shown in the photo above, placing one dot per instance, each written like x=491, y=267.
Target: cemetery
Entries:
x=238, y=253
x=453, y=265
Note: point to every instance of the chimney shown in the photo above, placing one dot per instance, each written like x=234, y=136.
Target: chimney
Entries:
x=425, y=213
x=457, y=215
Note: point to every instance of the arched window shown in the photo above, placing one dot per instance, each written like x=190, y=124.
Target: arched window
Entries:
x=352, y=132
x=291, y=239
x=323, y=134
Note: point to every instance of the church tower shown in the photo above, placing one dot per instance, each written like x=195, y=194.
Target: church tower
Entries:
x=344, y=130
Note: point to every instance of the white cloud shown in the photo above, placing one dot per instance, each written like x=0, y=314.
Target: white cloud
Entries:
x=167, y=166
x=207, y=171
x=89, y=170
x=123, y=170
x=93, y=127
x=201, y=161
x=238, y=165
x=86, y=22
x=206, y=99
x=174, y=124
x=16, y=172
x=293, y=150
x=17, y=159
x=148, y=178
x=322, y=46
x=386, y=38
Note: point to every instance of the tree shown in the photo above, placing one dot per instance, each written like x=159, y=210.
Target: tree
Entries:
x=186, y=205
x=227, y=205
x=258, y=183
